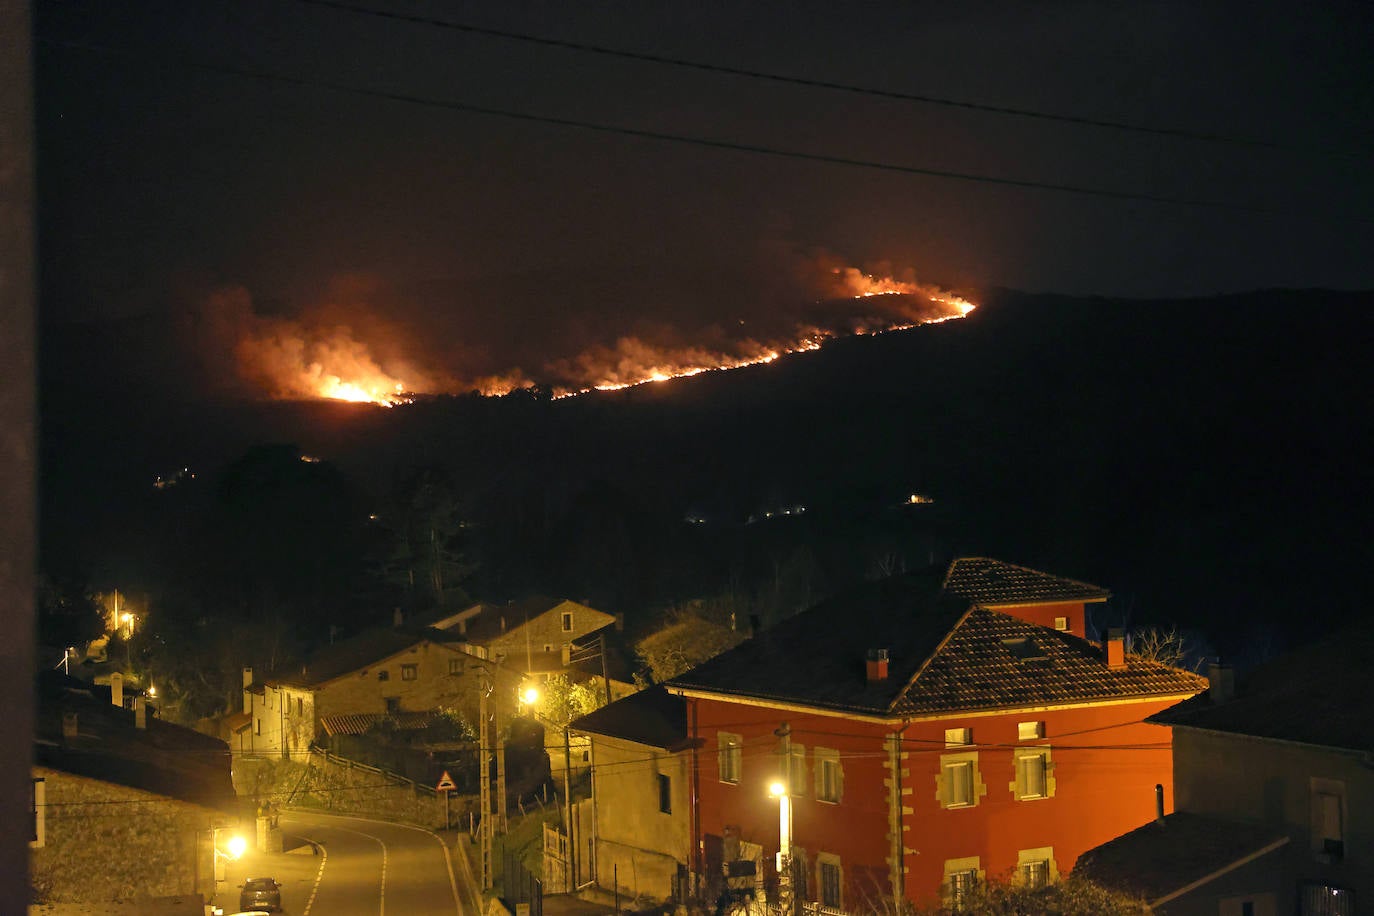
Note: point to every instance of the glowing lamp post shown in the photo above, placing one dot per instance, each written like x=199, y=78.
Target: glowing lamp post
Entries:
x=529, y=695
x=784, y=862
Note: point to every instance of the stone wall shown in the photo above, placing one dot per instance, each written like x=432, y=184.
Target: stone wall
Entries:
x=105, y=842
x=334, y=783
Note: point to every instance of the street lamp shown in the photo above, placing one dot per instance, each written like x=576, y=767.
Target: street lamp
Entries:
x=529, y=695
x=778, y=790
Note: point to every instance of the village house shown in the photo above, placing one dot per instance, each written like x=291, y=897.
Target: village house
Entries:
x=936, y=730
x=125, y=806
x=641, y=792
x=534, y=636
x=345, y=688
x=1274, y=794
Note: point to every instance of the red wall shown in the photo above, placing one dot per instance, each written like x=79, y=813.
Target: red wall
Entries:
x=1044, y=614
x=1106, y=764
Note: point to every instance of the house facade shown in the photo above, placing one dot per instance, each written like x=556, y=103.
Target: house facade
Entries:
x=533, y=636
x=125, y=806
x=931, y=731
x=372, y=676
x=642, y=795
x=1277, y=768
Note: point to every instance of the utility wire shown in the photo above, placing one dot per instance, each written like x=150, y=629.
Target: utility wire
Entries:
x=685, y=63
x=712, y=143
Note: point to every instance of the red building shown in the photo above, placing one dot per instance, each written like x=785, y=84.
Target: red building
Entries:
x=939, y=730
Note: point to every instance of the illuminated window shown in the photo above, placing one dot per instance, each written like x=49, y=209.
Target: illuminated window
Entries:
x=959, y=784
x=829, y=775
x=731, y=754
x=1061, y=623
x=958, y=737
x=410, y=672
x=1030, y=731
x=1034, y=771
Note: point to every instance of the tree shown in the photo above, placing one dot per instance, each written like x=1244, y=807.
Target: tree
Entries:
x=424, y=554
x=1069, y=897
x=1168, y=647
x=68, y=615
x=563, y=701
x=685, y=642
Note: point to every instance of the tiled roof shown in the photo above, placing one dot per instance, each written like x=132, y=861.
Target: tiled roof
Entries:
x=944, y=656
x=993, y=660
x=352, y=654
x=991, y=583
x=163, y=758
x=1158, y=860
x=652, y=717
x=1314, y=695
x=359, y=723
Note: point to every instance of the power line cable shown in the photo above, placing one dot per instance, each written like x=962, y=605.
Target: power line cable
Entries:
x=922, y=98
x=728, y=145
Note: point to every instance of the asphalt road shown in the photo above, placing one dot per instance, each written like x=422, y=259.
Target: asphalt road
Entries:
x=350, y=866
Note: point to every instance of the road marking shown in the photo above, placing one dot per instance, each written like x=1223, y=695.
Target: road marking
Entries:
x=448, y=862
x=319, y=875
x=381, y=910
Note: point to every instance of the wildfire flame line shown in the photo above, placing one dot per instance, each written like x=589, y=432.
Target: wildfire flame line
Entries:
x=293, y=362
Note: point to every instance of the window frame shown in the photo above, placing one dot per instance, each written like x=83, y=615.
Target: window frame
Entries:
x=383, y=674
x=829, y=864
x=1019, y=785
x=969, y=867
x=730, y=757
x=826, y=762
x=944, y=784
x=455, y=666
x=665, y=793
x=410, y=671
x=796, y=770
x=1323, y=795
x=567, y=621
x=1027, y=859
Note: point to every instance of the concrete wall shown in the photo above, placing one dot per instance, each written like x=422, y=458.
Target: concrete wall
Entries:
x=106, y=842
x=1272, y=783
x=637, y=844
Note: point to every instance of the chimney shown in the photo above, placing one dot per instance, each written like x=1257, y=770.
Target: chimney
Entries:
x=140, y=713
x=1115, y=649
x=117, y=689
x=1159, y=804
x=1221, y=682
x=247, y=697
x=620, y=622
x=69, y=725
x=877, y=665
x=397, y=618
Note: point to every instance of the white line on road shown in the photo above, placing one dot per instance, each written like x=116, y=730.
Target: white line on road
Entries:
x=448, y=861
x=381, y=911
x=319, y=875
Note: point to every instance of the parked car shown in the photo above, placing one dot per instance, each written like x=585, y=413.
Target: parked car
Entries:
x=260, y=894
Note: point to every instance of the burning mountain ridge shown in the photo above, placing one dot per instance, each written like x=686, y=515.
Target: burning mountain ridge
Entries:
x=310, y=357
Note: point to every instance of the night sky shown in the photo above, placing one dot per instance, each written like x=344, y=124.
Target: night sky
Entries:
x=187, y=150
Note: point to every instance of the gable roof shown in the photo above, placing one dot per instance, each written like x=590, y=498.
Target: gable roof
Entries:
x=495, y=621
x=993, y=583
x=355, y=653
x=1311, y=695
x=652, y=717
x=944, y=655
x=1187, y=851
x=162, y=758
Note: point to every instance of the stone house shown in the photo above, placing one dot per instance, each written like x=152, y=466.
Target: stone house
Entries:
x=533, y=636
x=125, y=805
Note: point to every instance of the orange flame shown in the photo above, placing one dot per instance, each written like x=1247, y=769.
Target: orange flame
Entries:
x=296, y=359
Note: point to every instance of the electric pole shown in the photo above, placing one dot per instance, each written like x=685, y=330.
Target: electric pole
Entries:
x=484, y=777
x=786, y=895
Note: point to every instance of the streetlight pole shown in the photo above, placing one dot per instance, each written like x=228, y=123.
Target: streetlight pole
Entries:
x=782, y=789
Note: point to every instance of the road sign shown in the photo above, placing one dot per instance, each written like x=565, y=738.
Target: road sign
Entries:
x=445, y=783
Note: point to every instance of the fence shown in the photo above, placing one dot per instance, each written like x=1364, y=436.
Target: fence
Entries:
x=521, y=886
